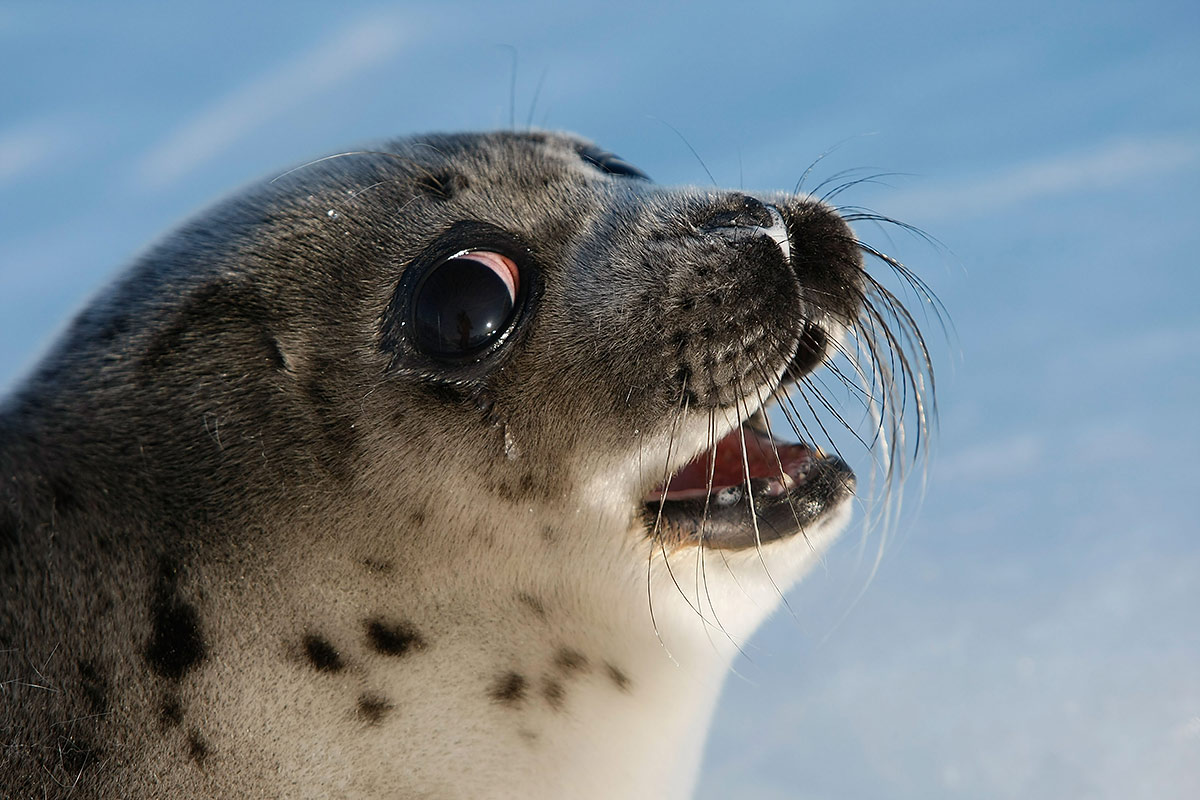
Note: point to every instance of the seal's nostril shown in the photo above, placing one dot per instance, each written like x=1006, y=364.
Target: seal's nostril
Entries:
x=739, y=211
x=741, y=217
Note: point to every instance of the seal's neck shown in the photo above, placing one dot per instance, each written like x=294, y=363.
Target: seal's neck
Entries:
x=476, y=657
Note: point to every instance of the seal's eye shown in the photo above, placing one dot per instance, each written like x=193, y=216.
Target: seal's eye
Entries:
x=464, y=303
x=612, y=164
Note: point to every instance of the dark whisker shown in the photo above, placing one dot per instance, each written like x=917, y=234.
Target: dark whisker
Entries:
x=743, y=412
x=656, y=534
x=835, y=176
x=871, y=179
x=778, y=461
x=860, y=214
x=688, y=145
x=537, y=91
x=512, y=87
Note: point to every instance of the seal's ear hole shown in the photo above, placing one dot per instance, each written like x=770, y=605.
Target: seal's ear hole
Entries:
x=442, y=185
x=463, y=303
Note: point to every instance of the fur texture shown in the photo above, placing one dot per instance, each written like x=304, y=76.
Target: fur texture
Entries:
x=253, y=544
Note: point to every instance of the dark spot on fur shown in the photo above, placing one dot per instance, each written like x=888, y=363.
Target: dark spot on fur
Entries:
x=199, y=318
x=568, y=660
x=442, y=185
x=529, y=736
x=444, y=394
x=197, y=747
x=618, y=677
x=516, y=488
x=109, y=328
x=372, y=708
x=75, y=753
x=555, y=694
x=176, y=644
x=508, y=688
x=336, y=425
x=393, y=639
x=548, y=533
x=94, y=685
x=62, y=490
x=274, y=352
x=171, y=713
x=8, y=528
x=321, y=654
x=378, y=565
x=533, y=603
x=417, y=517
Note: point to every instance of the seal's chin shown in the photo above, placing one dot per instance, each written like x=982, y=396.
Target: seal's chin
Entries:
x=747, y=490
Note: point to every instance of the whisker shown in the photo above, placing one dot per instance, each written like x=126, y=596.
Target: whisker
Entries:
x=688, y=145
x=537, y=91
x=740, y=398
x=796, y=517
x=873, y=179
x=804, y=176
x=655, y=534
x=512, y=86
x=860, y=214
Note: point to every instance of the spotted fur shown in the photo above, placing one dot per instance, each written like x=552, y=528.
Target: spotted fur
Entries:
x=254, y=544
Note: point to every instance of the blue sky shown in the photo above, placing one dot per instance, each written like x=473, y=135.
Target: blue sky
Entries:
x=1033, y=629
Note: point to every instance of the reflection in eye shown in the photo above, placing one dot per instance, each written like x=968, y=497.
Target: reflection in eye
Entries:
x=464, y=303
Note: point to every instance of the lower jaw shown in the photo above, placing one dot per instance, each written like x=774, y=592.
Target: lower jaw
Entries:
x=747, y=491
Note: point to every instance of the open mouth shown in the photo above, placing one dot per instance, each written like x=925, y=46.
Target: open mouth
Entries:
x=747, y=490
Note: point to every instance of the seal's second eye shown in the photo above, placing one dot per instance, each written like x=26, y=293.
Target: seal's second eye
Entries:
x=464, y=303
x=607, y=162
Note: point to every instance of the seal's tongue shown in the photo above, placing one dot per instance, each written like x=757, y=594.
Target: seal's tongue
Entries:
x=763, y=458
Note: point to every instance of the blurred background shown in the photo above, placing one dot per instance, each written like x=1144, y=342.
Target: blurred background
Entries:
x=1033, y=627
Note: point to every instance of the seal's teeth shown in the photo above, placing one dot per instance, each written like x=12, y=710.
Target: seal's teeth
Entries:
x=775, y=488
x=728, y=496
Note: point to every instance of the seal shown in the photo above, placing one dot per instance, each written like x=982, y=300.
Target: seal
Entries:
x=433, y=470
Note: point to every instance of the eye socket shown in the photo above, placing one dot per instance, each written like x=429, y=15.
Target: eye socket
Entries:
x=464, y=303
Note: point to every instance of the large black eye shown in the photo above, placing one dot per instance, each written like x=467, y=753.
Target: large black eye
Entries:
x=464, y=303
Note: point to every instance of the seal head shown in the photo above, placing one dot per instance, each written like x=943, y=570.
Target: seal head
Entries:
x=434, y=469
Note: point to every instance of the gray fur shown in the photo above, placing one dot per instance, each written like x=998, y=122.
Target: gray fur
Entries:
x=240, y=535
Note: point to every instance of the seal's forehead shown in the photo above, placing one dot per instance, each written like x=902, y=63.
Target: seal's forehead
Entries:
x=514, y=148
x=590, y=153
